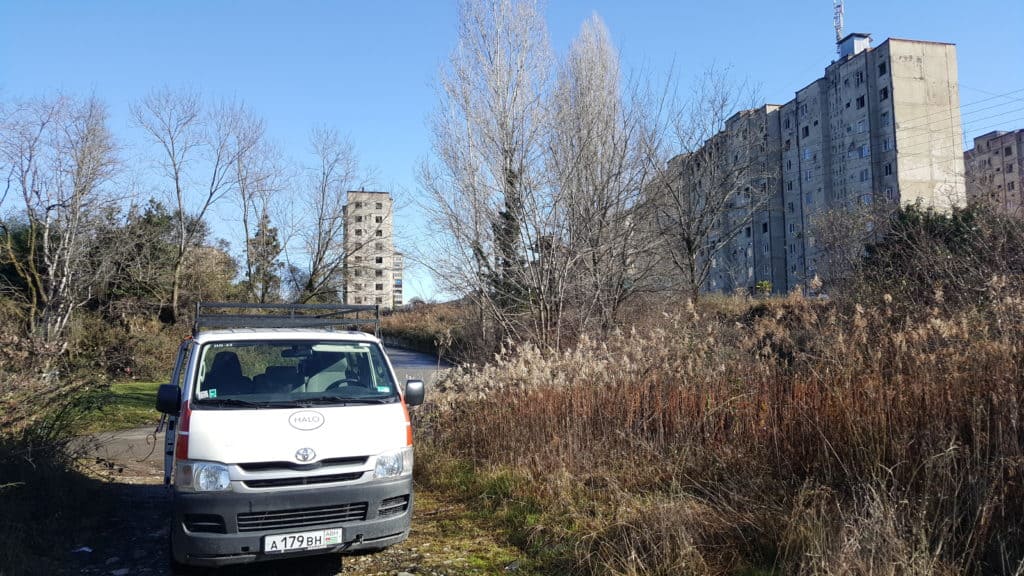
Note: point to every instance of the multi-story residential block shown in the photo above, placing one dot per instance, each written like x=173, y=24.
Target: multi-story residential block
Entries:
x=372, y=267
x=880, y=128
x=995, y=171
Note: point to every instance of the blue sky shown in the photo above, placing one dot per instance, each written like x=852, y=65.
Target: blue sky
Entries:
x=368, y=67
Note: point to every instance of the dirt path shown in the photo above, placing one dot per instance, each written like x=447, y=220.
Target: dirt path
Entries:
x=446, y=538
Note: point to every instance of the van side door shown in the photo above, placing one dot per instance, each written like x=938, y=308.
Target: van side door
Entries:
x=169, y=434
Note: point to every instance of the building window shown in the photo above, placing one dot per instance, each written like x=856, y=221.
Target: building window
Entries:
x=789, y=207
x=1008, y=151
x=792, y=228
x=379, y=259
x=378, y=273
x=359, y=218
x=864, y=175
x=398, y=282
x=1011, y=185
x=357, y=272
x=764, y=227
x=359, y=205
x=881, y=69
x=861, y=126
x=883, y=94
x=379, y=206
x=792, y=250
x=889, y=194
x=789, y=185
x=380, y=299
x=766, y=249
x=865, y=150
x=358, y=299
x=860, y=78
x=805, y=132
x=808, y=174
x=888, y=169
x=860, y=102
x=378, y=287
x=785, y=123
x=359, y=258
x=789, y=164
x=379, y=245
x=358, y=286
x=378, y=219
x=747, y=231
x=1009, y=167
x=359, y=231
x=886, y=144
x=808, y=198
x=807, y=153
x=379, y=233
x=885, y=118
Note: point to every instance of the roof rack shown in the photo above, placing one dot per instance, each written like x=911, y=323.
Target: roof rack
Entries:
x=324, y=316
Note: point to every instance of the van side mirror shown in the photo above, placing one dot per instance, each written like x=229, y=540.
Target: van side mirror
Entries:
x=168, y=399
x=413, y=392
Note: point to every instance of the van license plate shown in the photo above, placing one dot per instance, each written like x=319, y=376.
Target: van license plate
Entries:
x=302, y=541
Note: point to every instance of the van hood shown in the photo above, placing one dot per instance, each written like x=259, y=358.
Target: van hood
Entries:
x=239, y=436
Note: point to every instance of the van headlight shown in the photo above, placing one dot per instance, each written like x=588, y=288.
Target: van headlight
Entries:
x=202, y=476
x=392, y=464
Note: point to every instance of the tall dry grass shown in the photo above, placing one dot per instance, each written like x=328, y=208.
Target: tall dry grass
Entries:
x=793, y=436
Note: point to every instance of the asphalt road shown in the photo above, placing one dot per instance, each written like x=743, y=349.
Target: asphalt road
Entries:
x=135, y=540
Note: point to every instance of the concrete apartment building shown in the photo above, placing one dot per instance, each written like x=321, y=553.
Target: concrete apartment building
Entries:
x=995, y=171
x=373, y=270
x=881, y=126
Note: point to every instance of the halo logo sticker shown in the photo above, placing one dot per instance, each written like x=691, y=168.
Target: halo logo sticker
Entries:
x=306, y=420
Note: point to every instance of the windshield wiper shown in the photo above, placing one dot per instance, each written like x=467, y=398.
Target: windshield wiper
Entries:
x=341, y=400
x=229, y=402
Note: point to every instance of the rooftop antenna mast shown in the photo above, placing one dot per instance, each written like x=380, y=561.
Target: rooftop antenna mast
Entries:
x=837, y=20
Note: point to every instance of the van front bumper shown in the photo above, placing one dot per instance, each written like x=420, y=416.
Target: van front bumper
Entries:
x=219, y=528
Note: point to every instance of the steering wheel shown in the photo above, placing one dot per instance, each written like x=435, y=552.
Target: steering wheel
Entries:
x=337, y=383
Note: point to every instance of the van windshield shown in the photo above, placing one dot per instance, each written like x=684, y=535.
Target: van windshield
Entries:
x=292, y=373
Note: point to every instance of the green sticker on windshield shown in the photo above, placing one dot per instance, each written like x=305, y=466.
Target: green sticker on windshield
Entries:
x=383, y=389
x=213, y=393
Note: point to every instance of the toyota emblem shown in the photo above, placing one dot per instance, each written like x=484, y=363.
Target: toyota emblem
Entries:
x=305, y=454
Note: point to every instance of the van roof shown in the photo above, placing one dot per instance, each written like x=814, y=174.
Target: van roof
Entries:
x=282, y=334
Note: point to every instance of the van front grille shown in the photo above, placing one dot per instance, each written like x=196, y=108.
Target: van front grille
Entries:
x=264, y=466
x=303, y=480
x=301, y=517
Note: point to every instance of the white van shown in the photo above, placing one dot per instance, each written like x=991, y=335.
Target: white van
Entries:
x=287, y=435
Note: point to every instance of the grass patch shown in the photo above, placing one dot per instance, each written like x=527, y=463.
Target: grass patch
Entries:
x=123, y=406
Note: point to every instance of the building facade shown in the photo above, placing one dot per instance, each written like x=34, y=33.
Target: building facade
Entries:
x=880, y=129
x=995, y=171
x=373, y=270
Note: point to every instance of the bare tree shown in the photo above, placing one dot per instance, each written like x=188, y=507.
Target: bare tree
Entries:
x=489, y=135
x=317, y=274
x=58, y=157
x=596, y=157
x=708, y=192
x=259, y=177
x=198, y=153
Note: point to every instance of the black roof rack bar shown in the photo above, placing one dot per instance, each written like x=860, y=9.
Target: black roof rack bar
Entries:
x=285, y=316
